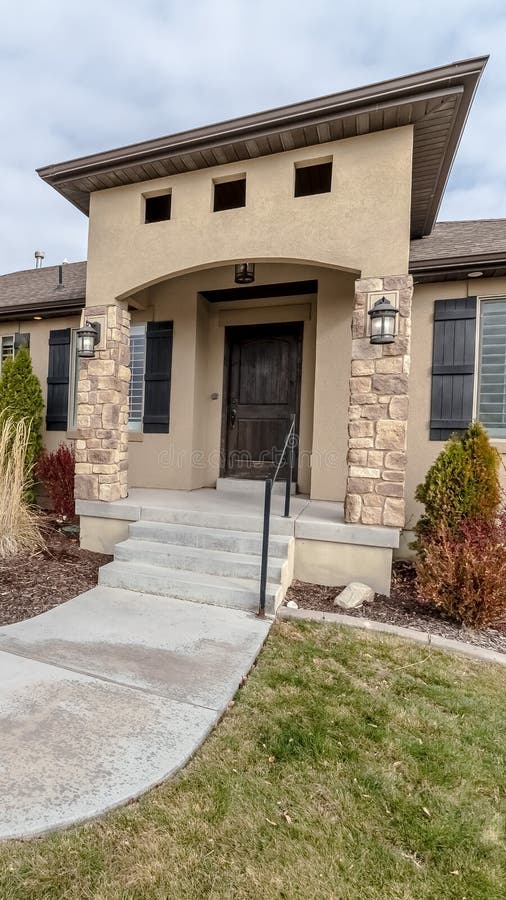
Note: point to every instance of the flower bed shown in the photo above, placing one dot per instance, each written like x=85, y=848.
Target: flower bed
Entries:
x=404, y=607
x=32, y=583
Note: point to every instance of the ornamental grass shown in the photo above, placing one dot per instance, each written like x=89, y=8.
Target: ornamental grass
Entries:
x=19, y=523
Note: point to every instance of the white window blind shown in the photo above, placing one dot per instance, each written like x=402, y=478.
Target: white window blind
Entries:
x=73, y=381
x=137, y=362
x=492, y=373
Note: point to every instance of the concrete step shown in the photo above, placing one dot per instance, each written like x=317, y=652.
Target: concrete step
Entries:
x=197, y=559
x=251, y=486
x=239, y=593
x=233, y=518
x=209, y=538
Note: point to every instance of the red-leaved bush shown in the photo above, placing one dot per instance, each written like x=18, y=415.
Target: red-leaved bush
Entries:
x=56, y=472
x=464, y=572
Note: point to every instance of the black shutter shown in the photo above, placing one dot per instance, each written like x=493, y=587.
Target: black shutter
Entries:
x=453, y=356
x=157, y=377
x=58, y=380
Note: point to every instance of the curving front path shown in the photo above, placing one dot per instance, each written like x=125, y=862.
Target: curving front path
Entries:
x=106, y=696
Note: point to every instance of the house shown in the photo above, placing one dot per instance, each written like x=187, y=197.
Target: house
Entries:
x=232, y=270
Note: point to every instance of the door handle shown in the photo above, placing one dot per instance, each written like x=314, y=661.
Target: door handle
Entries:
x=233, y=415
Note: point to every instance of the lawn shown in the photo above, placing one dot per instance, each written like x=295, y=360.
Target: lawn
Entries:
x=349, y=766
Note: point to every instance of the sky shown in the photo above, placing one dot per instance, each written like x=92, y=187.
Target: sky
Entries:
x=77, y=78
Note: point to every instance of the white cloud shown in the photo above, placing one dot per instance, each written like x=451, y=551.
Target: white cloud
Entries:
x=79, y=78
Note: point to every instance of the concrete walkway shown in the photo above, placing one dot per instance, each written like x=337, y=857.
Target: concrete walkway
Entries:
x=107, y=695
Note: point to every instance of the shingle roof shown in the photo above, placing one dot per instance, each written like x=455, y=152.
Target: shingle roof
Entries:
x=449, y=240
x=38, y=288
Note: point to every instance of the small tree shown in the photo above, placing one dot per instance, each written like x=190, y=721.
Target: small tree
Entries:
x=21, y=398
x=461, y=486
x=56, y=471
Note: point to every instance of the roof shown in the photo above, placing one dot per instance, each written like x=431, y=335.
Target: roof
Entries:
x=436, y=102
x=36, y=290
x=455, y=248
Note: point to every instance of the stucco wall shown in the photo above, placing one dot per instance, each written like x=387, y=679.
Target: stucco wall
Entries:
x=422, y=451
x=361, y=226
x=189, y=456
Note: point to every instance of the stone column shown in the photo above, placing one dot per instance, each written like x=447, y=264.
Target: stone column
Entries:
x=102, y=409
x=378, y=408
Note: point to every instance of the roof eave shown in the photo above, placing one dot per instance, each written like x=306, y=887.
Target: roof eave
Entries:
x=398, y=92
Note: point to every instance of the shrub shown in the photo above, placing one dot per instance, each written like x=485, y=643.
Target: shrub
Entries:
x=464, y=572
x=56, y=472
x=462, y=485
x=19, y=524
x=21, y=399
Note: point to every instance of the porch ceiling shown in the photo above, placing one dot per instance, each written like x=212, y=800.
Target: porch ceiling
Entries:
x=436, y=102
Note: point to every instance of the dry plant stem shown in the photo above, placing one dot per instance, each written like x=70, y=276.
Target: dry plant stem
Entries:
x=19, y=524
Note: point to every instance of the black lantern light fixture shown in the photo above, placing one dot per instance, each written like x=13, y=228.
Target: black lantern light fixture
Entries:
x=88, y=336
x=383, y=322
x=244, y=273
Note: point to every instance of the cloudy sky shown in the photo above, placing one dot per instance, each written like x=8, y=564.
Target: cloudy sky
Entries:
x=78, y=78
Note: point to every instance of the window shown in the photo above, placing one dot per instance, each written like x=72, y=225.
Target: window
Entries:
x=491, y=400
x=315, y=178
x=157, y=209
x=136, y=387
x=73, y=381
x=137, y=366
x=229, y=194
x=7, y=348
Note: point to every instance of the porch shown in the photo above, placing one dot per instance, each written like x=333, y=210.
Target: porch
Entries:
x=206, y=544
x=223, y=372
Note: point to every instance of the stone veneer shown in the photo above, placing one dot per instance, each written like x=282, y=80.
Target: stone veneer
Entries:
x=378, y=409
x=102, y=409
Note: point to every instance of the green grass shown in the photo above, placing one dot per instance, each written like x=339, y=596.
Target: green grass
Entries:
x=350, y=766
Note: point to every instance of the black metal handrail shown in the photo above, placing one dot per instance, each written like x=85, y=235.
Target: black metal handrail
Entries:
x=269, y=483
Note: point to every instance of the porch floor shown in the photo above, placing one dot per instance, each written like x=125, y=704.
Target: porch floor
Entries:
x=320, y=520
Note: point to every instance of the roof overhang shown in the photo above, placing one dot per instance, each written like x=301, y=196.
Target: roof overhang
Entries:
x=435, y=102
x=493, y=265
x=47, y=310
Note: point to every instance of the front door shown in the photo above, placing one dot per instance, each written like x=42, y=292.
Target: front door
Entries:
x=262, y=391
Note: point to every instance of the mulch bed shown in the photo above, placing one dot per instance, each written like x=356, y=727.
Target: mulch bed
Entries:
x=404, y=607
x=32, y=584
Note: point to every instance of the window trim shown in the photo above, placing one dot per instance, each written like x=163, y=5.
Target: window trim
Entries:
x=307, y=164
x=227, y=179
x=138, y=329
x=477, y=363
x=73, y=382
x=149, y=195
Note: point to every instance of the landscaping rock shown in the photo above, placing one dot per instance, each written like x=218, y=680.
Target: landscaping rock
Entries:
x=354, y=596
x=292, y=604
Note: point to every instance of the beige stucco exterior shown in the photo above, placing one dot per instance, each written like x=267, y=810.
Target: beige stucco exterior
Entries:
x=362, y=225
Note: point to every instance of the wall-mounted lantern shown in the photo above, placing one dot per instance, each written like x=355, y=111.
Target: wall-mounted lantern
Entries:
x=88, y=336
x=383, y=322
x=244, y=273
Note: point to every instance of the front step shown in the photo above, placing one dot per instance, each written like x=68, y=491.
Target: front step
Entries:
x=231, y=519
x=238, y=593
x=252, y=486
x=197, y=559
x=205, y=538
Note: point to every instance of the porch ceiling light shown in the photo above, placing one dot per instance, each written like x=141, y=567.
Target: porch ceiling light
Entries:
x=87, y=338
x=244, y=273
x=383, y=322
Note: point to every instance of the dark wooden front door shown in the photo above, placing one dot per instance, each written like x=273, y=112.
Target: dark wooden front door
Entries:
x=262, y=390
